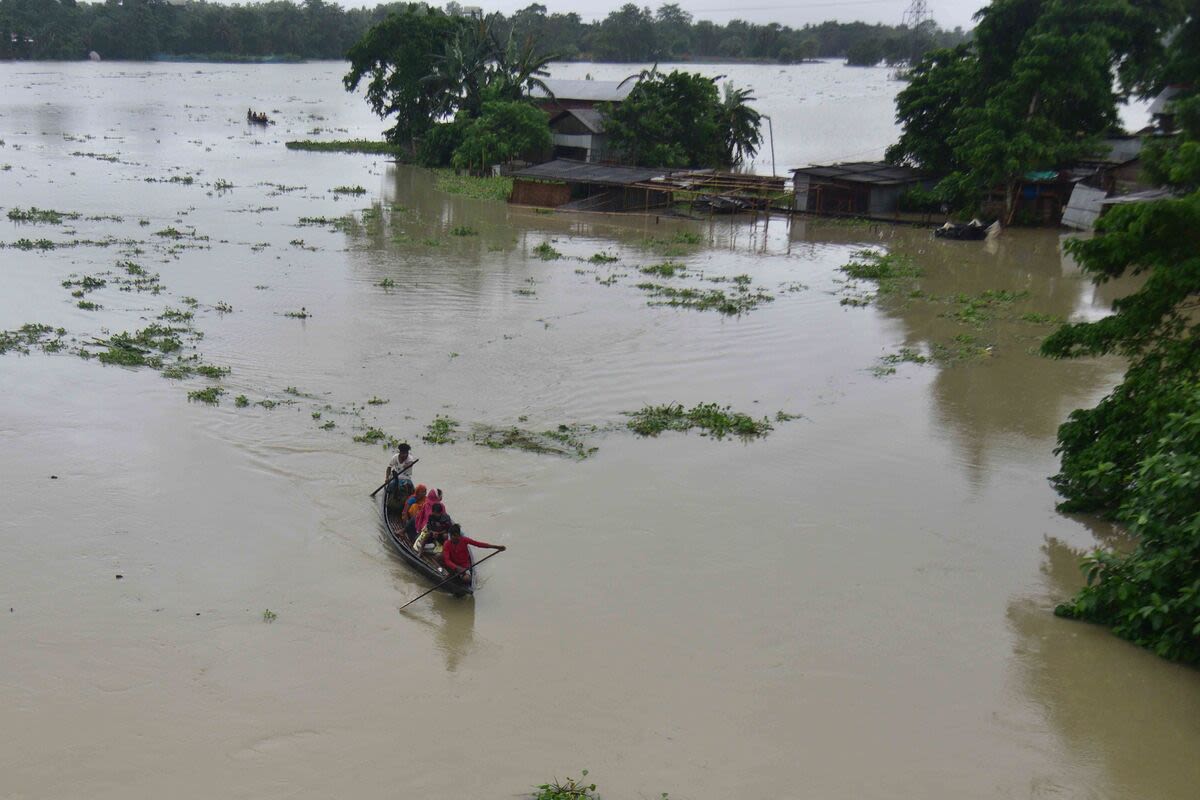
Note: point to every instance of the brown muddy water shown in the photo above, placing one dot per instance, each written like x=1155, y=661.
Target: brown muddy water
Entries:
x=857, y=606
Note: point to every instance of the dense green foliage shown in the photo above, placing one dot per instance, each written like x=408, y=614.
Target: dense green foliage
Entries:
x=1034, y=90
x=144, y=29
x=680, y=120
x=503, y=131
x=1136, y=455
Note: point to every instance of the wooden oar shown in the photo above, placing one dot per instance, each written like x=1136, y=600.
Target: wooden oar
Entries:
x=389, y=480
x=452, y=577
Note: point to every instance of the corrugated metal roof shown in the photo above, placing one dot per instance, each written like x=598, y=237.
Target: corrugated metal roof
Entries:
x=590, y=91
x=592, y=119
x=570, y=171
x=873, y=172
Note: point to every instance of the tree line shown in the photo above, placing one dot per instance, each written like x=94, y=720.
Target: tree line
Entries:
x=1035, y=89
x=148, y=29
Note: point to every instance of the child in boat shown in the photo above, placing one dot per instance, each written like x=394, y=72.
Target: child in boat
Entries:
x=456, y=554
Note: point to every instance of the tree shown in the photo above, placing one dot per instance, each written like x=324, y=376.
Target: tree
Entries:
x=396, y=56
x=627, y=34
x=505, y=130
x=940, y=85
x=1136, y=454
x=741, y=123
x=679, y=120
x=864, y=53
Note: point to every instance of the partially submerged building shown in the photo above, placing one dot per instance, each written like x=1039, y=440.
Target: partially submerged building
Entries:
x=576, y=115
x=859, y=188
x=582, y=186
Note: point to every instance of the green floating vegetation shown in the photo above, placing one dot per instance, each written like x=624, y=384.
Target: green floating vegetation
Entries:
x=441, y=431
x=667, y=269
x=602, y=258
x=223, y=308
x=565, y=440
x=709, y=418
x=741, y=301
x=387, y=283
x=1039, y=318
x=210, y=395
x=368, y=146
x=269, y=616
x=463, y=230
x=883, y=267
x=906, y=355
x=139, y=349
x=88, y=305
x=981, y=308
x=88, y=283
x=963, y=347
x=183, y=180
x=570, y=789
x=30, y=335
x=354, y=190
x=45, y=216
x=32, y=244
x=343, y=223
x=546, y=252
x=480, y=188
x=222, y=185
x=378, y=401
x=175, y=315
x=328, y=426
x=241, y=401
x=303, y=313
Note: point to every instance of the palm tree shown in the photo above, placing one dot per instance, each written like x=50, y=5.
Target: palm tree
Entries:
x=740, y=123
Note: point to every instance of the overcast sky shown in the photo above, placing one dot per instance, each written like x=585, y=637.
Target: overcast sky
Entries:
x=947, y=13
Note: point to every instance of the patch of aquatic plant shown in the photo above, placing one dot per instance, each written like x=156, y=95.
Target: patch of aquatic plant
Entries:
x=371, y=436
x=463, y=230
x=223, y=308
x=303, y=313
x=369, y=146
x=212, y=371
x=783, y=416
x=35, y=215
x=210, y=395
x=709, y=418
x=481, y=188
x=565, y=440
x=387, y=283
x=328, y=426
x=378, y=401
x=677, y=245
x=741, y=301
x=546, y=252
x=301, y=244
x=184, y=180
x=175, y=315
x=525, y=292
x=980, y=308
x=88, y=283
x=354, y=190
x=874, y=266
x=906, y=355
x=337, y=223
x=963, y=347
x=222, y=185
x=569, y=789
x=602, y=258
x=32, y=244
x=441, y=431
x=107, y=157
x=88, y=305
x=31, y=335
x=432, y=241
x=667, y=269
x=171, y=232
x=241, y=401
x=1039, y=318
x=269, y=616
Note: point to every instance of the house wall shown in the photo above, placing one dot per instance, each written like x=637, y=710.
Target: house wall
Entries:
x=539, y=193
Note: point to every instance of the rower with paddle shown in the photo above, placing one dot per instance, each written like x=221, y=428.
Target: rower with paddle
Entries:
x=399, y=472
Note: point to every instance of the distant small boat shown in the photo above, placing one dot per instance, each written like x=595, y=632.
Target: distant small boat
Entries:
x=969, y=231
x=258, y=119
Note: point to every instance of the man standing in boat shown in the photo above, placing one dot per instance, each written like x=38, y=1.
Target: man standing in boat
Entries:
x=399, y=472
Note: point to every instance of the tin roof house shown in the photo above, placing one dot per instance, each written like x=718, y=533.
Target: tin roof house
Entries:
x=576, y=121
x=860, y=188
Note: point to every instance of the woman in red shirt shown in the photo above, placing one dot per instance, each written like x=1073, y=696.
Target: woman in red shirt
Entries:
x=456, y=554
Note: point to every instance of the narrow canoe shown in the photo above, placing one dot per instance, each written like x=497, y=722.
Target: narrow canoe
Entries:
x=426, y=563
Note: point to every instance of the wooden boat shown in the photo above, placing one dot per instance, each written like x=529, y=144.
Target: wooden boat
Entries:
x=427, y=562
x=256, y=119
x=971, y=231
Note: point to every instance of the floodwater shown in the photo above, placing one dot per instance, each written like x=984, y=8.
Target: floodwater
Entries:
x=857, y=606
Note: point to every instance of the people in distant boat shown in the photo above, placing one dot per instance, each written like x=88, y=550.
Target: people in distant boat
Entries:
x=259, y=118
x=456, y=553
x=399, y=472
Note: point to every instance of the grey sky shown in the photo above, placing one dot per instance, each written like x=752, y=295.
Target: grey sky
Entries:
x=947, y=13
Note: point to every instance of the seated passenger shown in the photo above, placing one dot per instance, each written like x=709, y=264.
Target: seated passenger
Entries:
x=420, y=518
